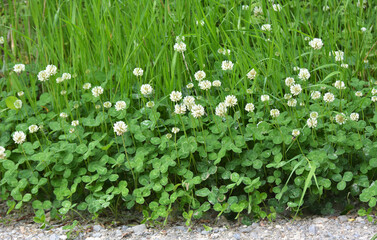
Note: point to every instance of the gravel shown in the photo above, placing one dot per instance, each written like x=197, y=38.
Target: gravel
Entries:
x=334, y=227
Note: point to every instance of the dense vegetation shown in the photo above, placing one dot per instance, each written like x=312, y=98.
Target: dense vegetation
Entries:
x=243, y=107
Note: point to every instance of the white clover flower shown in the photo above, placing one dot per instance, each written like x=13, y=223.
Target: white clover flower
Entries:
x=66, y=76
x=227, y=65
x=339, y=55
x=175, y=130
x=276, y=7
x=266, y=27
x=138, y=72
x=71, y=130
x=97, y=91
x=323, y=87
x=43, y=76
x=2, y=153
x=168, y=135
x=302, y=104
x=374, y=98
x=20, y=93
x=18, y=68
x=1, y=40
x=97, y=106
x=328, y=97
x=296, y=69
x=354, y=117
x=292, y=102
x=33, y=128
x=120, y=105
x=304, y=74
x=146, y=89
x=76, y=106
x=344, y=65
x=107, y=104
x=316, y=43
x=19, y=137
x=363, y=29
x=340, y=118
x=359, y=94
x=63, y=92
x=86, y=86
x=289, y=81
x=287, y=96
x=180, y=39
x=201, y=22
x=63, y=115
x=295, y=132
x=374, y=91
x=296, y=89
x=362, y=3
x=75, y=123
x=230, y=101
x=189, y=101
x=18, y=104
x=313, y=115
x=175, y=96
x=258, y=11
x=197, y=111
x=315, y=95
x=216, y=83
x=312, y=122
x=205, y=85
x=221, y=109
x=51, y=70
x=190, y=85
x=224, y=51
x=249, y=107
x=150, y=104
x=200, y=75
x=245, y=7
x=180, y=47
x=249, y=91
x=339, y=85
x=59, y=80
x=252, y=74
x=180, y=109
x=326, y=8
x=274, y=113
x=366, y=61
x=120, y=128
x=264, y=98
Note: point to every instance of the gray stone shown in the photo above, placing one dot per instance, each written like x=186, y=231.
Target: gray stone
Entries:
x=97, y=228
x=180, y=228
x=54, y=237
x=320, y=220
x=97, y=235
x=245, y=230
x=139, y=229
x=312, y=229
x=124, y=228
x=343, y=218
x=360, y=220
x=204, y=232
x=237, y=236
x=255, y=225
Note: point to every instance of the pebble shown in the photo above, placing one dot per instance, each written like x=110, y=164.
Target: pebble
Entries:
x=343, y=218
x=139, y=229
x=97, y=228
x=316, y=228
x=312, y=229
x=237, y=236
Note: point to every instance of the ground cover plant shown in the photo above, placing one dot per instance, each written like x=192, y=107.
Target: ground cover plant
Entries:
x=243, y=107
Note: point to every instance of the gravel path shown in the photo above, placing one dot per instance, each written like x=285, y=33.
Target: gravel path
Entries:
x=340, y=227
